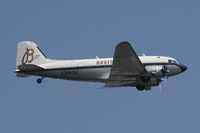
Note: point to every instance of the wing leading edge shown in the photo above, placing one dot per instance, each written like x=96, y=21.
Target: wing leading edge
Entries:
x=126, y=64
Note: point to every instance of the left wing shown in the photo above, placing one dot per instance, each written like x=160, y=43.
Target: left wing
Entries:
x=126, y=64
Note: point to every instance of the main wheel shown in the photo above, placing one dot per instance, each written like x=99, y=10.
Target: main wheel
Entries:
x=140, y=87
x=39, y=81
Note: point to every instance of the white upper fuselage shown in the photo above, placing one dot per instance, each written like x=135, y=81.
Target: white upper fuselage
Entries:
x=102, y=61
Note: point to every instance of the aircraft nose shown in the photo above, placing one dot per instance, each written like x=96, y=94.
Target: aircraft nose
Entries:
x=183, y=67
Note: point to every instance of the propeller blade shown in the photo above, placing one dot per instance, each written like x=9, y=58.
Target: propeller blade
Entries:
x=160, y=88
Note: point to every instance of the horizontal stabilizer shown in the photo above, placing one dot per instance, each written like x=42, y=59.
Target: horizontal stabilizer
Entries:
x=22, y=75
x=29, y=68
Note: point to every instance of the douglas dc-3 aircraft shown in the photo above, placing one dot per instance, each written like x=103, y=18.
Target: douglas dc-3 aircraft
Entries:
x=125, y=69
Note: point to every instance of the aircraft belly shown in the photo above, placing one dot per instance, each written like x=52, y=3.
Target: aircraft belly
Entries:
x=94, y=74
x=90, y=74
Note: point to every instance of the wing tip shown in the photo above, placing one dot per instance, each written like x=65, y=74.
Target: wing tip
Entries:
x=124, y=44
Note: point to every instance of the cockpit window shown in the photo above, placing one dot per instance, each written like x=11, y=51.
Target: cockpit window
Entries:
x=172, y=61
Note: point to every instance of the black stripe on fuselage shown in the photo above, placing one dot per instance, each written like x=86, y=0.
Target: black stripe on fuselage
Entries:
x=105, y=66
x=151, y=64
x=75, y=68
x=101, y=66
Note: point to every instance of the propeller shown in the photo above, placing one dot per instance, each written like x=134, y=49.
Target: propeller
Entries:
x=164, y=71
x=160, y=88
x=160, y=85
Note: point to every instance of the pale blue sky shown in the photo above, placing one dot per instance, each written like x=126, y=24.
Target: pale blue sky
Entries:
x=85, y=29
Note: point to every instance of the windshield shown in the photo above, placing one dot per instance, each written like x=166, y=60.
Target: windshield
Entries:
x=172, y=61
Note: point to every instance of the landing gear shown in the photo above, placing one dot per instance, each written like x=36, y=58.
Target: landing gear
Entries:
x=143, y=87
x=140, y=87
x=39, y=80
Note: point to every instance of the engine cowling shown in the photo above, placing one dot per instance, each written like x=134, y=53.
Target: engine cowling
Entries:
x=155, y=69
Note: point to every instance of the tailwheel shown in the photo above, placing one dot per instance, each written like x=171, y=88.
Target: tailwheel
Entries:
x=39, y=80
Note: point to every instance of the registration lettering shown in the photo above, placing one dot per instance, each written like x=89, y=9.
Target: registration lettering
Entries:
x=104, y=62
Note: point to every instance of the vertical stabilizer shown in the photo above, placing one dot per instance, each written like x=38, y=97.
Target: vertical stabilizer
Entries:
x=29, y=53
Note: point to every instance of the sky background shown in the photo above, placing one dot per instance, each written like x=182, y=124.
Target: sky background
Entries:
x=71, y=29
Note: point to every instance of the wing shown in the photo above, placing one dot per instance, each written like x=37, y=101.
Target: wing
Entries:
x=126, y=64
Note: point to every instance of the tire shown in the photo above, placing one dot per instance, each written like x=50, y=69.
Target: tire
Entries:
x=39, y=81
x=140, y=87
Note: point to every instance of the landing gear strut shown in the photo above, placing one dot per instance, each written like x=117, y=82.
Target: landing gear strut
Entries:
x=39, y=80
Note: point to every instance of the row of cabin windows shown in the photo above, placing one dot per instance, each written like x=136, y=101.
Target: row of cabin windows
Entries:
x=109, y=62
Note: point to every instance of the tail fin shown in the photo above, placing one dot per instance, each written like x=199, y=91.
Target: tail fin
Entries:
x=29, y=53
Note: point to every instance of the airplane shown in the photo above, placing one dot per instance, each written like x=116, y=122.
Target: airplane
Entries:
x=124, y=69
